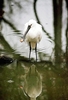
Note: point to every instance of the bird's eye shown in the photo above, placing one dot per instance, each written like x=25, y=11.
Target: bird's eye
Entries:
x=30, y=25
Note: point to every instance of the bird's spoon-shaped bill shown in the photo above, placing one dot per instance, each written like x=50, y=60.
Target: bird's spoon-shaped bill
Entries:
x=21, y=40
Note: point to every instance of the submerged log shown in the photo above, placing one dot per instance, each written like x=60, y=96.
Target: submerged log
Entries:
x=5, y=60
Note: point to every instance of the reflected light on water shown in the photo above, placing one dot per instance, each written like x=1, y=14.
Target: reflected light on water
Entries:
x=33, y=83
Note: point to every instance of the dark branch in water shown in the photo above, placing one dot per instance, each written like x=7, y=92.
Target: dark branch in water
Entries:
x=10, y=24
x=5, y=44
x=35, y=11
x=37, y=18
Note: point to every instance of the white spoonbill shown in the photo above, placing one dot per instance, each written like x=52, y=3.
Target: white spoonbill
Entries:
x=33, y=83
x=32, y=34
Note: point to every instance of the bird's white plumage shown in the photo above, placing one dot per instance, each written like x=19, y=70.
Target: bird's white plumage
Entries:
x=34, y=35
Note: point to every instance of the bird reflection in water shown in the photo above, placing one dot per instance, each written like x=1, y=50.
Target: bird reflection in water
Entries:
x=33, y=83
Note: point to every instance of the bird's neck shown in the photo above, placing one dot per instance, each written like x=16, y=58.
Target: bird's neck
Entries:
x=32, y=98
x=33, y=70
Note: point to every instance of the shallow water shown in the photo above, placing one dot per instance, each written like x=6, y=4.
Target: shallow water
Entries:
x=54, y=81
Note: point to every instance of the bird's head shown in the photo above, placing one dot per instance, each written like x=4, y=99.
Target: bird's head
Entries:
x=32, y=23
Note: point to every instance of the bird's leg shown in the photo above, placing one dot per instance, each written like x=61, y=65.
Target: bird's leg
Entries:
x=36, y=51
x=30, y=50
